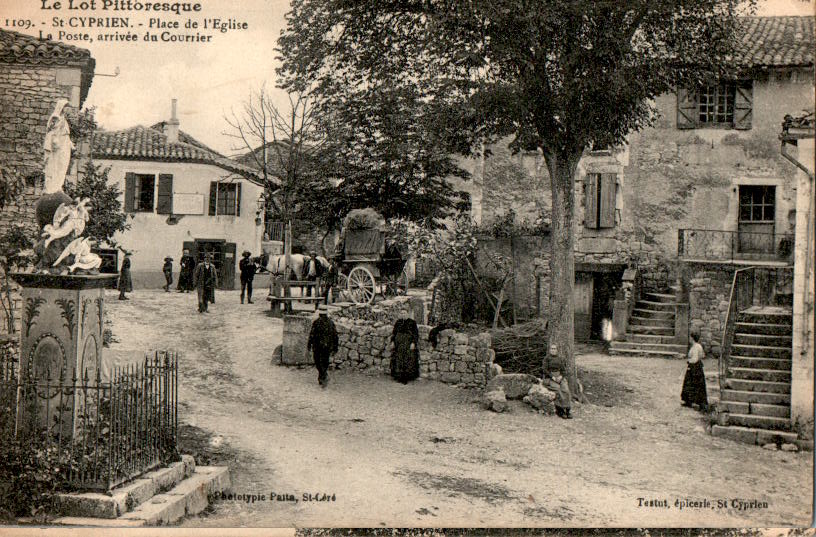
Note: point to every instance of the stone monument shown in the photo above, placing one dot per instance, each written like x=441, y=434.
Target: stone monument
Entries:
x=63, y=297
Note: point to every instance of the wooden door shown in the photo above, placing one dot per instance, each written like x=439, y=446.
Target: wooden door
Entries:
x=755, y=230
x=227, y=274
x=582, y=293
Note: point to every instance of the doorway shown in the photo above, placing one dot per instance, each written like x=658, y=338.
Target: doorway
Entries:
x=223, y=257
x=757, y=211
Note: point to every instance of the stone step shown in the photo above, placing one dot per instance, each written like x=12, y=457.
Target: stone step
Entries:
x=652, y=314
x=763, y=340
x=655, y=306
x=751, y=435
x=639, y=352
x=653, y=330
x=649, y=338
x=761, y=351
x=660, y=297
x=759, y=363
x=756, y=409
x=645, y=321
x=763, y=328
x=126, y=497
x=760, y=422
x=767, y=398
x=771, y=375
x=639, y=346
x=189, y=497
x=765, y=318
x=758, y=386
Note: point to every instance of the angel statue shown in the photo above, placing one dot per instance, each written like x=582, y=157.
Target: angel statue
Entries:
x=63, y=234
x=58, y=146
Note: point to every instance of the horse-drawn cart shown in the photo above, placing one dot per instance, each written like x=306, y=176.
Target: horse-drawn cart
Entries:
x=369, y=264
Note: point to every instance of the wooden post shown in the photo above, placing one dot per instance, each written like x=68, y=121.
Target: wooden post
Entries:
x=497, y=315
x=287, y=264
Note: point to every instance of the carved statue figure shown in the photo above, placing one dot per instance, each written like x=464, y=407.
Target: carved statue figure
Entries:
x=84, y=259
x=58, y=146
x=68, y=218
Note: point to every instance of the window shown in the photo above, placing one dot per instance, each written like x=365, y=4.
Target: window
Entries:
x=757, y=203
x=225, y=199
x=724, y=104
x=599, y=200
x=140, y=193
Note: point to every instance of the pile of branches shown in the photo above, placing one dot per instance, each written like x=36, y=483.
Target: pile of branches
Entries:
x=521, y=348
x=366, y=218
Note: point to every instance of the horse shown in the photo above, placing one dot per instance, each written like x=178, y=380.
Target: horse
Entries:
x=297, y=264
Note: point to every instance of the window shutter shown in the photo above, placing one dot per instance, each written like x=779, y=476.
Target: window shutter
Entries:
x=607, y=200
x=238, y=199
x=130, y=191
x=213, y=196
x=591, y=201
x=165, y=204
x=743, y=105
x=686, y=109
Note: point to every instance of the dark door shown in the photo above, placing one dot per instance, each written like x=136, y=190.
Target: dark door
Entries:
x=605, y=284
x=584, y=283
x=755, y=229
x=227, y=274
x=217, y=250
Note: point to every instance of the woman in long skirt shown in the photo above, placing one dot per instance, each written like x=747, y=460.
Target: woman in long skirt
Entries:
x=694, y=384
x=405, y=362
x=125, y=282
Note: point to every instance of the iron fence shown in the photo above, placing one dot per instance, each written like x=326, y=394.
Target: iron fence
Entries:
x=718, y=245
x=275, y=231
x=103, y=432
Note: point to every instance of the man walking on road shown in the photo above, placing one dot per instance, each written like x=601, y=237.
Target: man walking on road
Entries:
x=248, y=268
x=205, y=280
x=323, y=342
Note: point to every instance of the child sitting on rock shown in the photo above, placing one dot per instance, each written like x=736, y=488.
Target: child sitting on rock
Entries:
x=563, y=396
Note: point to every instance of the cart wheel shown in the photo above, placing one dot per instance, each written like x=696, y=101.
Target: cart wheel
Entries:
x=361, y=285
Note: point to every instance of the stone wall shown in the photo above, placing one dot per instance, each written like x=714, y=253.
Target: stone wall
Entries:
x=709, y=294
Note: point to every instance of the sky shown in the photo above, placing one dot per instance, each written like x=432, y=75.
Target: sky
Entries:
x=208, y=79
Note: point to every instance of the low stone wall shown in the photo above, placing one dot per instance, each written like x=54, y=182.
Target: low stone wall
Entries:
x=387, y=311
x=709, y=293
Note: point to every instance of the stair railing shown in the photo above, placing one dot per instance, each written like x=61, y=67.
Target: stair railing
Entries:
x=742, y=296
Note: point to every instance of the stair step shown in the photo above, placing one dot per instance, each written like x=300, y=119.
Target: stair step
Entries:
x=761, y=351
x=765, y=318
x=652, y=314
x=760, y=422
x=751, y=435
x=653, y=330
x=758, y=386
x=767, y=398
x=763, y=328
x=646, y=321
x=639, y=352
x=661, y=297
x=634, y=345
x=754, y=362
x=763, y=340
x=755, y=409
x=770, y=375
x=653, y=305
x=649, y=338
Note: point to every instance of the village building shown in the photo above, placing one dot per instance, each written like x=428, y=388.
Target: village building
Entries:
x=178, y=194
x=34, y=75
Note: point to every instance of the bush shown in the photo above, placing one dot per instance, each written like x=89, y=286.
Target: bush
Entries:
x=28, y=479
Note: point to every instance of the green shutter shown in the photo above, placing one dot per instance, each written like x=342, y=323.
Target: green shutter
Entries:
x=591, y=201
x=607, y=200
x=743, y=105
x=130, y=191
x=687, y=110
x=213, y=196
x=238, y=199
x=165, y=203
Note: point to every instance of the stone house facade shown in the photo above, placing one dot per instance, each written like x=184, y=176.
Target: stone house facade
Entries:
x=702, y=190
x=180, y=194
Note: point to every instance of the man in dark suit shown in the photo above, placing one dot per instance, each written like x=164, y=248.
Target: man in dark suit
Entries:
x=205, y=280
x=248, y=268
x=323, y=342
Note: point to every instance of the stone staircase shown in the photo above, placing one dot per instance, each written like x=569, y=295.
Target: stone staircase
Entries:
x=755, y=401
x=651, y=328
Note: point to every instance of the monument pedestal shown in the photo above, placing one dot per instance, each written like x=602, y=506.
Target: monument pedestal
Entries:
x=61, y=331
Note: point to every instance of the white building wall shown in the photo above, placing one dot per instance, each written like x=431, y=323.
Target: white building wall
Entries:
x=152, y=237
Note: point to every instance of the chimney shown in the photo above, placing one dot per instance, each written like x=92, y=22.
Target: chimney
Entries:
x=171, y=128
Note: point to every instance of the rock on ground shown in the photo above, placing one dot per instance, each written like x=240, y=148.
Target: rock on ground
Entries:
x=540, y=398
x=496, y=400
x=515, y=385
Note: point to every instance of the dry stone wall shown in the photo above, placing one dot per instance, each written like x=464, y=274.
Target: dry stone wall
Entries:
x=709, y=293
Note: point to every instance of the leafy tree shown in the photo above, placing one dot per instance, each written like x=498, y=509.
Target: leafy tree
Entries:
x=106, y=215
x=15, y=254
x=559, y=75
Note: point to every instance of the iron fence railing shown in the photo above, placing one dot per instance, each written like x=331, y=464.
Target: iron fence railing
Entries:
x=275, y=231
x=103, y=432
x=719, y=245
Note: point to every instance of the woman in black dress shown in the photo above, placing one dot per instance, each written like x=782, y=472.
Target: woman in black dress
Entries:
x=694, y=384
x=125, y=282
x=405, y=361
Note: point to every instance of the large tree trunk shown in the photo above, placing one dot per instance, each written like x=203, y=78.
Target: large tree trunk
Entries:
x=561, y=335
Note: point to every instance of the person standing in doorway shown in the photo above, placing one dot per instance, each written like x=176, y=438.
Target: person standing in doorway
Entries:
x=205, y=280
x=168, y=273
x=187, y=262
x=323, y=342
x=125, y=282
x=248, y=269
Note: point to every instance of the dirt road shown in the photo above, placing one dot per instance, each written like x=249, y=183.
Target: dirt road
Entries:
x=427, y=454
